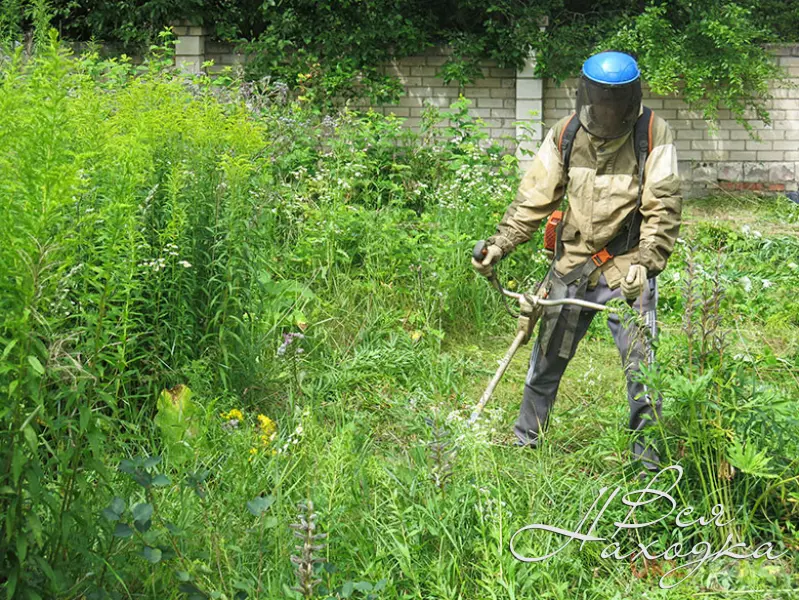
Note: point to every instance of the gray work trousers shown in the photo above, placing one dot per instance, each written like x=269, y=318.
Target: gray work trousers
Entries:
x=546, y=369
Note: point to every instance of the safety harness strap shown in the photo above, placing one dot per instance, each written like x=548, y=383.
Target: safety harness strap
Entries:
x=573, y=314
x=565, y=143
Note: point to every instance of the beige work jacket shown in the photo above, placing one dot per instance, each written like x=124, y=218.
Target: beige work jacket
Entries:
x=602, y=189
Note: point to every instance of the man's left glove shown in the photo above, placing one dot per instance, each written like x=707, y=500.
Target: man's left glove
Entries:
x=492, y=256
x=633, y=285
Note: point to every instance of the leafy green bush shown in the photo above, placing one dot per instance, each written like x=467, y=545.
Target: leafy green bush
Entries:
x=729, y=423
x=695, y=40
x=128, y=254
x=157, y=236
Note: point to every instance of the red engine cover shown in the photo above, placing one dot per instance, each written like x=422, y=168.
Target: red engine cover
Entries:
x=549, y=232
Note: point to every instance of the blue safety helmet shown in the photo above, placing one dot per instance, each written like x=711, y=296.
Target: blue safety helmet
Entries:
x=609, y=94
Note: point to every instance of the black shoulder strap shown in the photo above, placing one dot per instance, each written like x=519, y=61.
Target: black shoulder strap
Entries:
x=566, y=141
x=642, y=134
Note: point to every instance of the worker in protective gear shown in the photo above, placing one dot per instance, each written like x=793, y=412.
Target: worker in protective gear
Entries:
x=614, y=238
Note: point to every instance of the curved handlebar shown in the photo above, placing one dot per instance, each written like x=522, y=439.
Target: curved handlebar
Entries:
x=479, y=252
x=545, y=302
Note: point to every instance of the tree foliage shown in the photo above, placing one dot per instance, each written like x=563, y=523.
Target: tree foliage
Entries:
x=710, y=49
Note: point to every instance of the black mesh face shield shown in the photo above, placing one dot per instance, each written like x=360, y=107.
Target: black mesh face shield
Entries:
x=608, y=111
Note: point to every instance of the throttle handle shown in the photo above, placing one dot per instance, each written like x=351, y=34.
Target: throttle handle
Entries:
x=480, y=251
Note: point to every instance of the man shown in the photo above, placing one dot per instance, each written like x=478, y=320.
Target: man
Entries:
x=613, y=240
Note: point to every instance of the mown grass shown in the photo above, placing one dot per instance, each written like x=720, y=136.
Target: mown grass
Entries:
x=356, y=235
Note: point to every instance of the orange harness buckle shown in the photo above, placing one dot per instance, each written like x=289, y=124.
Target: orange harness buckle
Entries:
x=601, y=257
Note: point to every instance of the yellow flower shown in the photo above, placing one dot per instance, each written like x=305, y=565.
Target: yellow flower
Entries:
x=266, y=425
x=253, y=450
x=267, y=430
x=232, y=414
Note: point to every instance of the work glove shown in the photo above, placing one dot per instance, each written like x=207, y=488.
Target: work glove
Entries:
x=492, y=257
x=530, y=313
x=633, y=284
x=526, y=301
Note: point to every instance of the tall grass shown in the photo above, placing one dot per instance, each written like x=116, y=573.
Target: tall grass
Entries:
x=159, y=228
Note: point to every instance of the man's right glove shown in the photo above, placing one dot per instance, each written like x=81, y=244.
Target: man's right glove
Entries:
x=633, y=284
x=492, y=256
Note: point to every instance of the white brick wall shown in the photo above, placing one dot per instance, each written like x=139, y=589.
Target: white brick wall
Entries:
x=493, y=98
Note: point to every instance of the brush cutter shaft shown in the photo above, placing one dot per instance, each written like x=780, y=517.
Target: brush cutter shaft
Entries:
x=503, y=365
x=521, y=336
x=574, y=302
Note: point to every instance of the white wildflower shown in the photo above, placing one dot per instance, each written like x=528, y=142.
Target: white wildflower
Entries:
x=747, y=283
x=453, y=416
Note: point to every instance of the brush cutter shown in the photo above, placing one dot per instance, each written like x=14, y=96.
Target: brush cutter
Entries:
x=531, y=307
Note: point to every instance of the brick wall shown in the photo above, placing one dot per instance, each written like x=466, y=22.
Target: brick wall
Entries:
x=493, y=98
x=223, y=55
x=501, y=99
x=510, y=102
